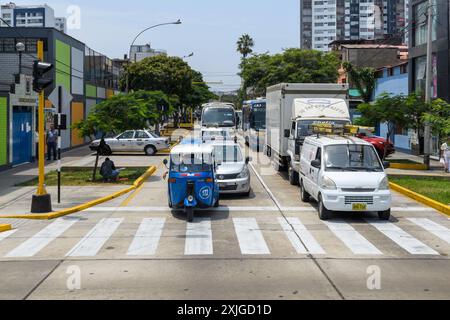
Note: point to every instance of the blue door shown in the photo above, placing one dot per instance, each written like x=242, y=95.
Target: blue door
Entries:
x=22, y=137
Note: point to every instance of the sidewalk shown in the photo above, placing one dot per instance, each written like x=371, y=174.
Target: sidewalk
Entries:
x=437, y=169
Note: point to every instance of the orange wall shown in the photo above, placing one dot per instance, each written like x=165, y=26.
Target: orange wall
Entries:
x=77, y=115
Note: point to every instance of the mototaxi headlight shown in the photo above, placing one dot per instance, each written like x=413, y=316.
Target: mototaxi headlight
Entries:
x=190, y=198
x=328, y=184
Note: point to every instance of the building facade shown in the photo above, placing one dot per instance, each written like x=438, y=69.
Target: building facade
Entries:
x=31, y=16
x=87, y=75
x=140, y=52
x=324, y=21
x=440, y=84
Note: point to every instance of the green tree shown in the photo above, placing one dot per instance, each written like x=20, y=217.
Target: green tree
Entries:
x=245, y=45
x=293, y=65
x=439, y=118
x=364, y=79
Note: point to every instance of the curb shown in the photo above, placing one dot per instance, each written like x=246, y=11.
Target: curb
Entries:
x=5, y=227
x=65, y=212
x=422, y=199
x=406, y=166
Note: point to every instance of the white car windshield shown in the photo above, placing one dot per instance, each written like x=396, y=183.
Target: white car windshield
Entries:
x=352, y=158
x=228, y=154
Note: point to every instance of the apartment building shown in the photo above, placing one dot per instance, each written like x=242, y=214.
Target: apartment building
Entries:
x=140, y=52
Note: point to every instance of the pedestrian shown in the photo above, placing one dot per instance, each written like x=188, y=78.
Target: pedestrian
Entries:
x=445, y=154
x=108, y=170
x=51, y=139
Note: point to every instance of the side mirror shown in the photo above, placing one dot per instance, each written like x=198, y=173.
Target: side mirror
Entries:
x=316, y=164
x=165, y=162
x=247, y=160
x=386, y=164
x=287, y=133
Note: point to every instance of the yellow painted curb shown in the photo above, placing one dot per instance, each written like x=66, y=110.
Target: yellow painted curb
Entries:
x=422, y=199
x=65, y=212
x=410, y=166
x=5, y=227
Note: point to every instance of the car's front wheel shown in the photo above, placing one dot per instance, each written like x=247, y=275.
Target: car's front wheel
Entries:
x=324, y=213
x=385, y=215
x=150, y=150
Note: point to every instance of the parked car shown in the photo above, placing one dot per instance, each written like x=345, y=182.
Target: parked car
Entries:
x=344, y=174
x=232, y=170
x=383, y=147
x=135, y=141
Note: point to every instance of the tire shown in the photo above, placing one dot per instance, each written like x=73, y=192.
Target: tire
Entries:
x=324, y=213
x=246, y=194
x=170, y=204
x=217, y=204
x=189, y=214
x=384, y=215
x=293, y=176
x=150, y=150
x=305, y=196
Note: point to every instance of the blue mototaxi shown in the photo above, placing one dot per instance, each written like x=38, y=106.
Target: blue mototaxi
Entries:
x=191, y=179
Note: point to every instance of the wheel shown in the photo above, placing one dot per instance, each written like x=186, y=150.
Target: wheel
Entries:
x=385, y=215
x=190, y=214
x=303, y=194
x=150, y=150
x=217, y=204
x=324, y=213
x=293, y=176
x=170, y=204
x=246, y=194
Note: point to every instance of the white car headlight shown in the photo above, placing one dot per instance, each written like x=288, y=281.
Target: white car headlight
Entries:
x=244, y=174
x=328, y=184
x=384, y=184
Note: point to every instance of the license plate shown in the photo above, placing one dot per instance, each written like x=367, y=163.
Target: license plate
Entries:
x=359, y=207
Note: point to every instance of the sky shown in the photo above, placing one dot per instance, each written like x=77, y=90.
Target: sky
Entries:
x=209, y=29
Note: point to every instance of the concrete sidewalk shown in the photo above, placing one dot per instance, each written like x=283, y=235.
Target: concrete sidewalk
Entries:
x=437, y=170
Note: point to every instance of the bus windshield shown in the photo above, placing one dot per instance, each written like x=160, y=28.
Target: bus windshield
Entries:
x=258, y=119
x=224, y=117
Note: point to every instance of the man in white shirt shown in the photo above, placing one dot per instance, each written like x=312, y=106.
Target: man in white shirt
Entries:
x=445, y=149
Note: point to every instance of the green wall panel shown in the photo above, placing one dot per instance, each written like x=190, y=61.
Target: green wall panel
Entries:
x=63, y=65
x=91, y=91
x=3, y=130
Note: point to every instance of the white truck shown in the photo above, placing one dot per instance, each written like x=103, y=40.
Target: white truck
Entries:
x=292, y=109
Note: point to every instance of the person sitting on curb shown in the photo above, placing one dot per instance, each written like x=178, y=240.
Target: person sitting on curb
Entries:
x=108, y=170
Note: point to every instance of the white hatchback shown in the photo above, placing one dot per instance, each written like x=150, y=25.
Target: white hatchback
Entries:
x=344, y=174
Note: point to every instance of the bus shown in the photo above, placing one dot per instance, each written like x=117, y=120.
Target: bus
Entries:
x=219, y=115
x=254, y=123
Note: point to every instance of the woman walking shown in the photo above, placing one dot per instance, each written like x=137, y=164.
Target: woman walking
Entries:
x=445, y=154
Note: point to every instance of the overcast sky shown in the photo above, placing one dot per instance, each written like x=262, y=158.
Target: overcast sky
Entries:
x=210, y=29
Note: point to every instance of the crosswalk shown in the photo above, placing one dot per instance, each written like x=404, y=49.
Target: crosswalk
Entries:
x=145, y=237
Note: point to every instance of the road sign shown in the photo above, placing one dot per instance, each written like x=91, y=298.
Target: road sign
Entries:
x=66, y=97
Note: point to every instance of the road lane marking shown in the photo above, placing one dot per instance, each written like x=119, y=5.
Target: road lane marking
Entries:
x=402, y=238
x=439, y=231
x=6, y=234
x=250, y=237
x=91, y=244
x=352, y=238
x=146, y=240
x=199, y=238
x=294, y=229
x=42, y=239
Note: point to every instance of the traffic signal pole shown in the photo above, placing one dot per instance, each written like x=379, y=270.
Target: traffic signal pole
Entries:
x=41, y=202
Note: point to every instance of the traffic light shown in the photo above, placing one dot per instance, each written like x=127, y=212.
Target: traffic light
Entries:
x=40, y=69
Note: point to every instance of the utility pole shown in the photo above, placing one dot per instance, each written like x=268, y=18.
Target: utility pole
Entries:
x=427, y=132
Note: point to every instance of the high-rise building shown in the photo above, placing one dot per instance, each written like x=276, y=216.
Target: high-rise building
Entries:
x=324, y=21
x=140, y=52
x=30, y=16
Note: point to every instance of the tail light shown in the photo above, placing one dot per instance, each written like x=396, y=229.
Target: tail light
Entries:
x=172, y=180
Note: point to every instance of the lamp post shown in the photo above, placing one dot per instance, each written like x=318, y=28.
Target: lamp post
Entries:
x=139, y=34
x=20, y=47
x=188, y=56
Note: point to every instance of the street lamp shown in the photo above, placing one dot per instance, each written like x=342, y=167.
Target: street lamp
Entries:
x=20, y=47
x=139, y=34
x=189, y=56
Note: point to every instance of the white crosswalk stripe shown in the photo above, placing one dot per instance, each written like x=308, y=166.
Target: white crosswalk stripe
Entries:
x=294, y=229
x=250, y=237
x=199, y=238
x=439, y=231
x=352, y=238
x=146, y=241
x=42, y=239
x=402, y=238
x=6, y=234
x=95, y=239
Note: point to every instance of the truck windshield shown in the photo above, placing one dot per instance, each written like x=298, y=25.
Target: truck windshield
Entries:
x=191, y=163
x=352, y=157
x=220, y=117
x=305, y=127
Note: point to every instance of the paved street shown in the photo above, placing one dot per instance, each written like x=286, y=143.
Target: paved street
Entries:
x=268, y=246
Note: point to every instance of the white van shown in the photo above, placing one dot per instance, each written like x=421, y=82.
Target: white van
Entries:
x=344, y=174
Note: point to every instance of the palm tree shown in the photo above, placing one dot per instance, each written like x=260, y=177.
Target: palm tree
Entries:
x=245, y=45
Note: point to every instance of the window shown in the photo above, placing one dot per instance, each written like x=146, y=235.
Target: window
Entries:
x=421, y=23
x=141, y=135
x=126, y=135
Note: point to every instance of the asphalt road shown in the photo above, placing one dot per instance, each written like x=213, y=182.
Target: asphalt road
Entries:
x=267, y=246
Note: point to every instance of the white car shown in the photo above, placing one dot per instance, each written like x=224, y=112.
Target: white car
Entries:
x=213, y=135
x=344, y=174
x=232, y=170
x=135, y=141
